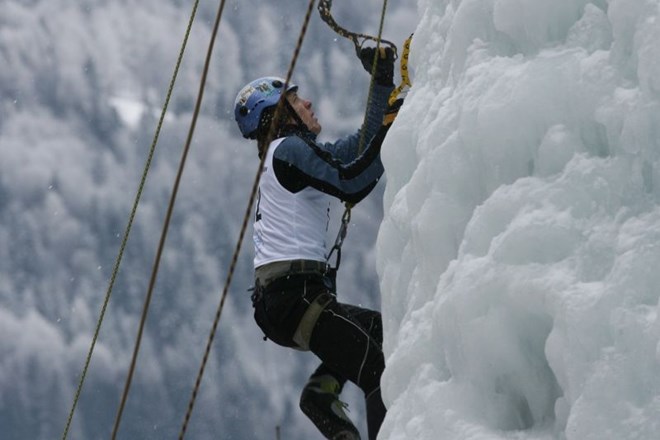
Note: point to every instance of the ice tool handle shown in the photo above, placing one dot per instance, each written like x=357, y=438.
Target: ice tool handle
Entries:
x=357, y=38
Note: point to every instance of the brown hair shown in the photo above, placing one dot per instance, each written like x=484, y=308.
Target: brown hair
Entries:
x=265, y=123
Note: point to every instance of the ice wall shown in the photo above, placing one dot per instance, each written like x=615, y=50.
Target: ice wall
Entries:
x=82, y=84
x=519, y=252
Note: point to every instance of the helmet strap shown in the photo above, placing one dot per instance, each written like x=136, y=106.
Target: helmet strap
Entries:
x=283, y=126
x=294, y=114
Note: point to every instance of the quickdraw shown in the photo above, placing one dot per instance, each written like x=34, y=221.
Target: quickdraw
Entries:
x=341, y=235
x=357, y=38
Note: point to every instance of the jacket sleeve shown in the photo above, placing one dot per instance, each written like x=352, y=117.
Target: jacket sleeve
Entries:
x=346, y=149
x=298, y=164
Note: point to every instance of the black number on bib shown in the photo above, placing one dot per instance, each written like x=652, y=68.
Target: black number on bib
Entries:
x=258, y=214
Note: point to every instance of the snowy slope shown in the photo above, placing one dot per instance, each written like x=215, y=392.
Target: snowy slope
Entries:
x=519, y=253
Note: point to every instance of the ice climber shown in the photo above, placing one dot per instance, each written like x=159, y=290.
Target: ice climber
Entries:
x=295, y=299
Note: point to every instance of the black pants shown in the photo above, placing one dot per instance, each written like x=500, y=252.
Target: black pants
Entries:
x=346, y=338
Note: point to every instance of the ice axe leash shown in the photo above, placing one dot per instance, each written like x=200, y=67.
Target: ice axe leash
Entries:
x=359, y=39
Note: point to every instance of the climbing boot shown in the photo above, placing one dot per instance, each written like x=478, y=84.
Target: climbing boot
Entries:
x=320, y=402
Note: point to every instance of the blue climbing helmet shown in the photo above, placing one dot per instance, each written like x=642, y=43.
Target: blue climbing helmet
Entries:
x=254, y=98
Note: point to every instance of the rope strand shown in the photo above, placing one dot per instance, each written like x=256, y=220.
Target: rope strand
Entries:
x=129, y=225
x=168, y=217
x=246, y=217
x=252, y=198
x=373, y=72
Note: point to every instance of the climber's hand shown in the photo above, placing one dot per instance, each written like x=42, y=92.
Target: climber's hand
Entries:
x=384, y=74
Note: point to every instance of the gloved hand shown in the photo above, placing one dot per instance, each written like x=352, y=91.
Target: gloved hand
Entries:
x=392, y=111
x=384, y=74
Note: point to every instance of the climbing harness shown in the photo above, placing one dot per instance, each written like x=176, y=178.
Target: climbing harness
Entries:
x=303, y=334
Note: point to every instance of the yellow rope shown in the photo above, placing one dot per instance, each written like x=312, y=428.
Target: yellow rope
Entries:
x=246, y=218
x=127, y=231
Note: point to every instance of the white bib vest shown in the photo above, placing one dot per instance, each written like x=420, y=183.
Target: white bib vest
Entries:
x=288, y=226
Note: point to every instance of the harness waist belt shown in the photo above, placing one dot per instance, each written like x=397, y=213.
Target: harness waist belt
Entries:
x=269, y=272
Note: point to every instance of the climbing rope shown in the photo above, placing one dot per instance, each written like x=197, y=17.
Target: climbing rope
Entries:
x=374, y=66
x=324, y=10
x=168, y=217
x=358, y=39
x=246, y=218
x=127, y=231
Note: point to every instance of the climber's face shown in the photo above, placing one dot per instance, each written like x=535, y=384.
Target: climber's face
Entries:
x=304, y=110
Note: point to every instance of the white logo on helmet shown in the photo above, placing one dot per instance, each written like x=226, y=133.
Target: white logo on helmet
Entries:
x=245, y=95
